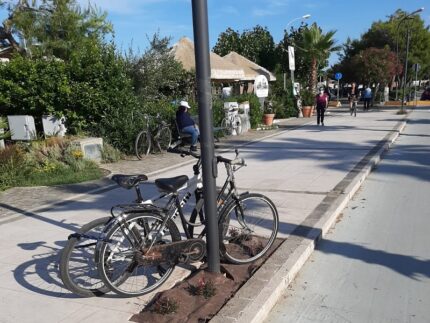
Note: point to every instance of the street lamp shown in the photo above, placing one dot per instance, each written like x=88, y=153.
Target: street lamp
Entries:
x=292, y=72
x=302, y=18
x=408, y=36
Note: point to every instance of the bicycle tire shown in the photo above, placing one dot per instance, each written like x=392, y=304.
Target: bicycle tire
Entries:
x=131, y=270
x=142, y=144
x=242, y=241
x=238, y=125
x=83, y=281
x=164, y=139
x=226, y=128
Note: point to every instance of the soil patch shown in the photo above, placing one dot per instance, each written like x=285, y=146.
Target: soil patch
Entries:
x=201, y=295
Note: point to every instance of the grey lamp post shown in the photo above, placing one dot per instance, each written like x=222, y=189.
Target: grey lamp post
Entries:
x=286, y=26
x=209, y=165
x=408, y=36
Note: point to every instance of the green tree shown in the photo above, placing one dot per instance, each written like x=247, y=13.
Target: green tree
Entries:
x=295, y=36
x=228, y=41
x=52, y=27
x=316, y=46
x=156, y=75
x=256, y=44
x=392, y=33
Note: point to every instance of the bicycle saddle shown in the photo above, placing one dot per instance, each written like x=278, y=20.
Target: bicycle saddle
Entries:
x=129, y=181
x=171, y=184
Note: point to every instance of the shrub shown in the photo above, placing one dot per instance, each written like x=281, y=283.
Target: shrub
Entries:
x=165, y=306
x=255, y=110
x=205, y=288
x=110, y=154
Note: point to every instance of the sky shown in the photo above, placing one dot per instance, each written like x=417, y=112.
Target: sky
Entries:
x=136, y=20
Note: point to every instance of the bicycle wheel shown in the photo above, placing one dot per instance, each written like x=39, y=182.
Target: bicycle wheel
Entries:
x=142, y=145
x=248, y=227
x=226, y=128
x=237, y=125
x=78, y=269
x=117, y=264
x=164, y=139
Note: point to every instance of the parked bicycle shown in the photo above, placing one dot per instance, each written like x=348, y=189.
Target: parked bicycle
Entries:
x=159, y=136
x=231, y=124
x=141, y=244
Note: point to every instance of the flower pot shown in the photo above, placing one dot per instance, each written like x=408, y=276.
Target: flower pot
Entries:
x=268, y=119
x=307, y=111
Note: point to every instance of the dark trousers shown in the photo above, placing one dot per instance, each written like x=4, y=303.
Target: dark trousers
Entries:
x=320, y=114
x=366, y=104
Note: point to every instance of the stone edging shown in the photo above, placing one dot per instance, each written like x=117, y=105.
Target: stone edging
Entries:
x=253, y=302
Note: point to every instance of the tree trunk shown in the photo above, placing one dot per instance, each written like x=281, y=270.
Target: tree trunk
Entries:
x=313, y=80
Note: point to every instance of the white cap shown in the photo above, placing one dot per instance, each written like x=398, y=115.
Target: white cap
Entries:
x=184, y=104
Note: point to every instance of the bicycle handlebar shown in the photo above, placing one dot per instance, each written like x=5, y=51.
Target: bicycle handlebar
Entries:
x=233, y=162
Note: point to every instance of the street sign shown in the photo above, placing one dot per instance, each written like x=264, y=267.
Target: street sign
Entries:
x=261, y=86
x=338, y=76
x=291, y=58
x=417, y=67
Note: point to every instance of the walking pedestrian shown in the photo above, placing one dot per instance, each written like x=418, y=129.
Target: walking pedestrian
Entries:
x=353, y=94
x=367, y=97
x=321, y=103
x=186, y=124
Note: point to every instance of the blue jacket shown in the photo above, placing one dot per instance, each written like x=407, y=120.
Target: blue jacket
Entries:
x=183, y=119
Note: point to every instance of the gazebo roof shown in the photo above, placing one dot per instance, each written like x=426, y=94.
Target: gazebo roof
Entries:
x=251, y=69
x=221, y=69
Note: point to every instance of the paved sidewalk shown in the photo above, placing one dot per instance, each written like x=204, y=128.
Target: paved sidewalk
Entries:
x=304, y=171
x=24, y=200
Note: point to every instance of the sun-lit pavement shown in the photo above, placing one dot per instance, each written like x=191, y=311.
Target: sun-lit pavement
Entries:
x=296, y=169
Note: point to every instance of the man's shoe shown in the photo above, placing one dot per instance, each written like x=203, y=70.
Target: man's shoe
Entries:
x=323, y=123
x=193, y=148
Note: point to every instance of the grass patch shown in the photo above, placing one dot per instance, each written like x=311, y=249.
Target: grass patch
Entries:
x=65, y=176
x=45, y=163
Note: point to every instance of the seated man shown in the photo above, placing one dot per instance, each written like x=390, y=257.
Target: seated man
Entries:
x=186, y=124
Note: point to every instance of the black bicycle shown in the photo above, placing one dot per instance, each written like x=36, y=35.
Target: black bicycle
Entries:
x=140, y=245
x=158, y=136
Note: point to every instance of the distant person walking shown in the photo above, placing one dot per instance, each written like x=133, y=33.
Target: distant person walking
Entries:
x=353, y=94
x=367, y=96
x=321, y=103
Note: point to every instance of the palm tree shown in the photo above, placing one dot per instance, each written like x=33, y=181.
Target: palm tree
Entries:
x=317, y=46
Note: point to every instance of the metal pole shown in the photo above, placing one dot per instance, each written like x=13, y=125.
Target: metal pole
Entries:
x=337, y=91
x=406, y=67
x=285, y=81
x=292, y=78
x=204, y=99
x=415, y=85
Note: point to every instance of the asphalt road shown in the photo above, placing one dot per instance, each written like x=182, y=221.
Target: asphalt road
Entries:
x=374, y=266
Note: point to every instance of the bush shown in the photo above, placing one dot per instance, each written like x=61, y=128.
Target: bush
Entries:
x=50, y=162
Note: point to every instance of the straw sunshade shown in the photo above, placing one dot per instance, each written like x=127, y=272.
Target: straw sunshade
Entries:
x=251, y=69
x=221, y=69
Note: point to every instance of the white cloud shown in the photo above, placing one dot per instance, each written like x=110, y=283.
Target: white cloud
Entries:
x=271, y=8
x=229, y=10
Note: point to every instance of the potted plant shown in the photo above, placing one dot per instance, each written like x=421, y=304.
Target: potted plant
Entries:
x=268, y=114
x=308, y=102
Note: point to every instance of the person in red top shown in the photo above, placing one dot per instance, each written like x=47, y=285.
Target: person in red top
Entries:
x=321, y=103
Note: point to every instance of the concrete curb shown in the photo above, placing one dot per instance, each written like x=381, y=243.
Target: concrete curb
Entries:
x=255, y=299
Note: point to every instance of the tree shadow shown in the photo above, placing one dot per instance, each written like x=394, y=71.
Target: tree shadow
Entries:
x=405, y=265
